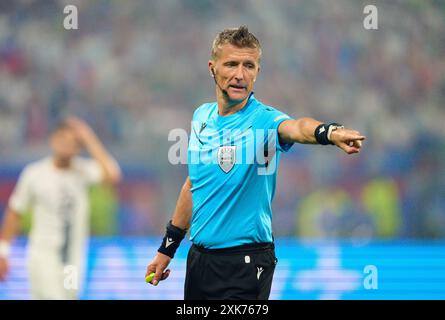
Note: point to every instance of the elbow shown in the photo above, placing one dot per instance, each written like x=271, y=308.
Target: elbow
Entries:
x=113, y=178
x=188, y=183
x=116, y=178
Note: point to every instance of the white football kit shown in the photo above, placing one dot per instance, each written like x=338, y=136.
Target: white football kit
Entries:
x=57, y=242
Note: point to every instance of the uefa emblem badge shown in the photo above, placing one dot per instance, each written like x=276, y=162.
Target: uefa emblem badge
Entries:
x=226, y=157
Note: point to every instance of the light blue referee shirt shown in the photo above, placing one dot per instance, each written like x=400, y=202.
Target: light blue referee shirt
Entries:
x=233, y=162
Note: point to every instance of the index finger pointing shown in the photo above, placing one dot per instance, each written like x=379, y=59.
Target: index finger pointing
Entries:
x=355, y=137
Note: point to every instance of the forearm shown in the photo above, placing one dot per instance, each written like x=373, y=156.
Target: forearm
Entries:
x=299, y=131
x=110, y=167
x=177, y=228
x=183, y=211
x=9, y=229
x=308, y=130
x=10, y=226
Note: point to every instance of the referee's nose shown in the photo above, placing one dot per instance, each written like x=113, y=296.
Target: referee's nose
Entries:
x=239, y=75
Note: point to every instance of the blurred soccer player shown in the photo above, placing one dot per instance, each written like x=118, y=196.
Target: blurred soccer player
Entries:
x=56, y=189
x=227, y=205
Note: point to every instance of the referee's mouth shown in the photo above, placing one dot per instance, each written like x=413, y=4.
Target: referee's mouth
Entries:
x=237, y=88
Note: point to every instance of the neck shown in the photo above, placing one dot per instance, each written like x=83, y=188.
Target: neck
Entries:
x=61, y=163
x=227, y=107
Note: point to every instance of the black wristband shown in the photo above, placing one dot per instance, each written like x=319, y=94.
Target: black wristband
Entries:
x=321, y=133
x=172, y=240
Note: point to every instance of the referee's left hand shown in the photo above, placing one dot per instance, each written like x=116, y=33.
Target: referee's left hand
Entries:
x=158, y=265
x=350, y=141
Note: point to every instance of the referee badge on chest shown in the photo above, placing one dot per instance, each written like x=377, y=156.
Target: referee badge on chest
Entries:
x=226, y=157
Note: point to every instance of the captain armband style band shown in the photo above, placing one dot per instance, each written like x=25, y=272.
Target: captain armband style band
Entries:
x=172, y=239
x=323, y=132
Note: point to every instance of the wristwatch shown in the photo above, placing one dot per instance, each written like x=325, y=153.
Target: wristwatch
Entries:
x=332, y=128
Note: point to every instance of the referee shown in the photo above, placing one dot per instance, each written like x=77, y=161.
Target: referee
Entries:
x=226, y=199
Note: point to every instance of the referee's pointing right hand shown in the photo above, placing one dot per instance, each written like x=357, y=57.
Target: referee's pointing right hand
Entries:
x=158, y=265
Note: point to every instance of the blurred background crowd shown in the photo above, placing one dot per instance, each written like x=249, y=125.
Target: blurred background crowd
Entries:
x=137, y=69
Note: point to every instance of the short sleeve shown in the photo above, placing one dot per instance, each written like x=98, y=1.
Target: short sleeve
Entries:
x=272, y=119
x=91, y=171
x=21, y=196
x=199, y=123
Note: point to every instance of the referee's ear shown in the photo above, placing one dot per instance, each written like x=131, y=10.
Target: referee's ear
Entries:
x=211, y=65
